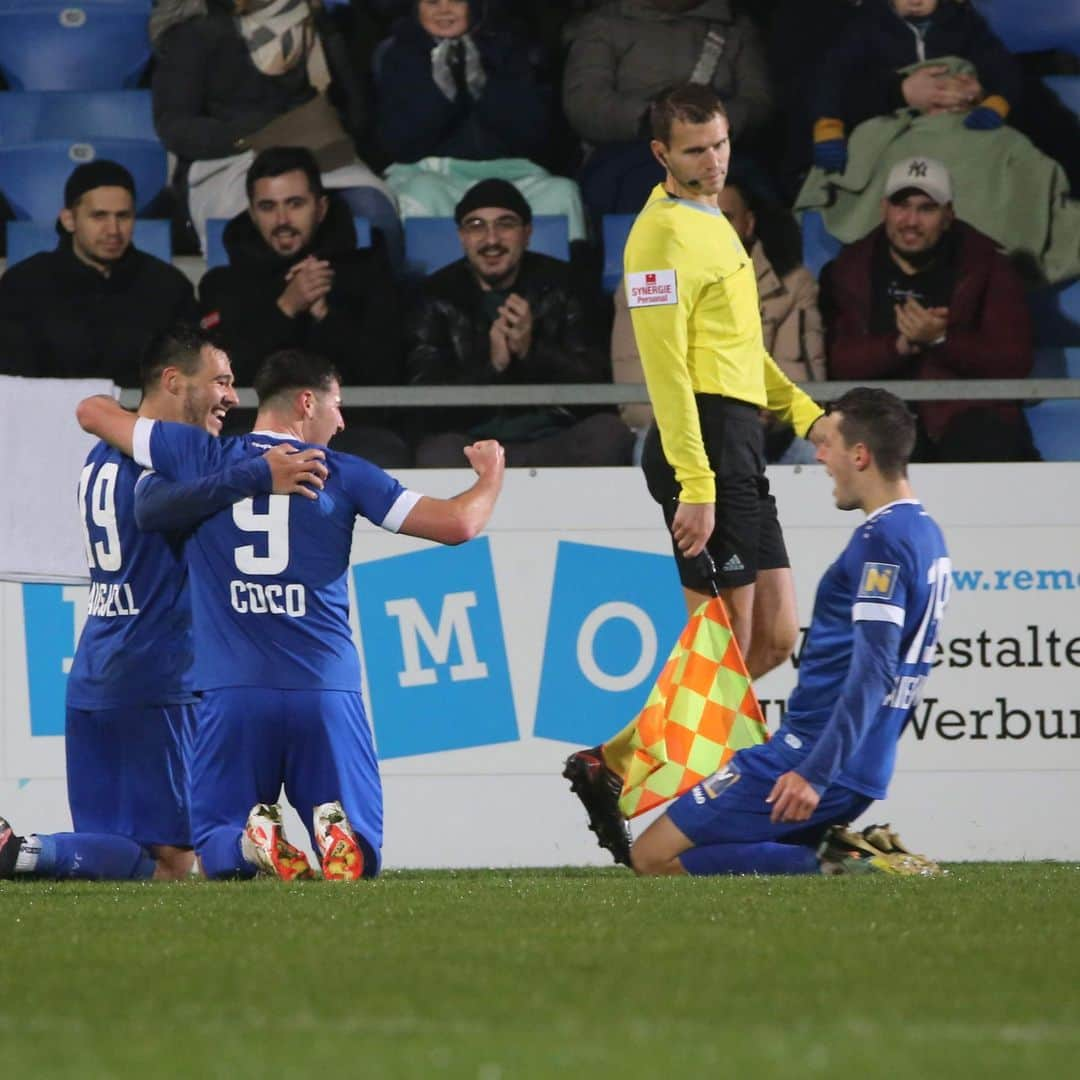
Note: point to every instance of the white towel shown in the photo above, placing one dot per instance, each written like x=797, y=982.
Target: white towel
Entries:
x=43, y=450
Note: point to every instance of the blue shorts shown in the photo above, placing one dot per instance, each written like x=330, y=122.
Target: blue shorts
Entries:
x=730, y=808
x=127, y=772
x=316, y=743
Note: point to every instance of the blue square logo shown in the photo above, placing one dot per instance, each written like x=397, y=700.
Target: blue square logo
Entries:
x=433, y=646
x=50, y=641
x=615, y=616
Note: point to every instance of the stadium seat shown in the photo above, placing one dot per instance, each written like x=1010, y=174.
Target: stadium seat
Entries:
x=32, y=177
x=32, y=116
x=1055, y=313
x=818, y=245
x=614, y=228
x=216, y=255
x=432, y=242
x=1067, y=88
x=1056, y=363
x=1055, y=428
x=26, y=238
x=92, y=46
x=1034, y=25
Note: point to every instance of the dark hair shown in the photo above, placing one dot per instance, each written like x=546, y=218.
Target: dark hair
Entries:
x=180, y=346
x=293, y=369
x=690, y=103
x=883, y=423
x=279, y=160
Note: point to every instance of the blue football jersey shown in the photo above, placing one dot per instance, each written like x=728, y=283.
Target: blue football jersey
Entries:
x=269, y=586
x=894, y=571
x=136, y=645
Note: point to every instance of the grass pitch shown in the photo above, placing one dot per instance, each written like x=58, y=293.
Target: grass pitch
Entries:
x=531, y=973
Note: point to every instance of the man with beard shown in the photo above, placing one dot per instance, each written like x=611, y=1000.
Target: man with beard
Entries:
x=926, y=296
x=131, y=694
x=503, y=315
x=93, y=307
x=296, y=280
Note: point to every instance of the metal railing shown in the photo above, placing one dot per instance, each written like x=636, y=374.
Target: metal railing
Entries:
x=1035, y=389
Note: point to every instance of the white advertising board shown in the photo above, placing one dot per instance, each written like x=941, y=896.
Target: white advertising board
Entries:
x=486, y=664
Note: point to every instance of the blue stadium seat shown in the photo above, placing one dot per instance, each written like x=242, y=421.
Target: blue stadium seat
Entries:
x=1056, y=363
x=216, y=255
x=81, y=46
x=26, y=238
x=818, y=245
x=432, y=242
x=32, y=177
x=614, y=228
x=31, y=115
x=1067, y=88
x=1055, y=428
x=1055, y=313
x=1034, y=25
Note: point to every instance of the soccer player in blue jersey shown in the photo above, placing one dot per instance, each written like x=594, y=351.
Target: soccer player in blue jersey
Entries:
x=275, y=658
x=130, y=694
x=780, y=808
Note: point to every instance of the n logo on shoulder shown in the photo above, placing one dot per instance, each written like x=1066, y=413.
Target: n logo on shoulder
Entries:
x=651, y=288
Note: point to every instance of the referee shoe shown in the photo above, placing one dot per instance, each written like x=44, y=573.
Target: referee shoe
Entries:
x=599, y=789
x=264, y=845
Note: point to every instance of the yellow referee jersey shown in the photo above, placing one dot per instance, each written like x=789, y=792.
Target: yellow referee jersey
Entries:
x=693, y=300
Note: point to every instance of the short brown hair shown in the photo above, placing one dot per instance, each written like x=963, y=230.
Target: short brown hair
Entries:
x=691, y=103
x=882, y=422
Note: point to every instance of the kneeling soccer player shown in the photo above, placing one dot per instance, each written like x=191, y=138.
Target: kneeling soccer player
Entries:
x=780, y=808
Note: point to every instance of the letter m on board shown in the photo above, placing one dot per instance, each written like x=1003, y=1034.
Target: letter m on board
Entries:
x=433, y=648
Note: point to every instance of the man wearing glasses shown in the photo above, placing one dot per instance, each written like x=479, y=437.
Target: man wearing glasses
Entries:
x=504, y=315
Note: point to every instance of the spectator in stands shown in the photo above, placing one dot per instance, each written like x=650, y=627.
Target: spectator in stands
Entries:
x=233, y=77
x=862, y=74
x=92, y=307
x=503, y=316
x=459, y=100
x=624, y=55
x=295, y=279
x=790, y=320
x=927, y=296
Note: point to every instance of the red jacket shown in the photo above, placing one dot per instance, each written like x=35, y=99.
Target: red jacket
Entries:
x=988, y=334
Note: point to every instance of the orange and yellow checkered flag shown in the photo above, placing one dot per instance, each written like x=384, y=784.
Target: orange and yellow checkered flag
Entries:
x=701, y=710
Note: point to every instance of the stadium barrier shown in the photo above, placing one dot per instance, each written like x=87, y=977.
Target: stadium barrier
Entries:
x=486, y=664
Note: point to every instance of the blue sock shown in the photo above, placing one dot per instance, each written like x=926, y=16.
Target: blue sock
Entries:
x=766, y=857
x=93, y=857
x=221, y=856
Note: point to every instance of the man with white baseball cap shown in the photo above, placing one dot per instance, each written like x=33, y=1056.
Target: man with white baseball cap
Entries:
x=927, y=296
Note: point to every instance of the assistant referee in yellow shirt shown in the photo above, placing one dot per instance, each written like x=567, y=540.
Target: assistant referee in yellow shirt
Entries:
x=692, y=292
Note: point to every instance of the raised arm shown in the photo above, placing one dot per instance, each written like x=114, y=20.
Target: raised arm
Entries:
x=107, y=419
x=456, y=520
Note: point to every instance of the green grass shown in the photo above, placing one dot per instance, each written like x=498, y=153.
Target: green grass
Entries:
x=535, y=973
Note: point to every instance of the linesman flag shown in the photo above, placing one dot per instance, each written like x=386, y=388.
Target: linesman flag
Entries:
x=701, y=710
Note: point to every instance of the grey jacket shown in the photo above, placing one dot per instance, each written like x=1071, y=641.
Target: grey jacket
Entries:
x=627, y=51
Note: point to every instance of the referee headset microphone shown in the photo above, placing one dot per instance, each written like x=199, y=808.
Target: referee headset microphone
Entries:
x=689, y=183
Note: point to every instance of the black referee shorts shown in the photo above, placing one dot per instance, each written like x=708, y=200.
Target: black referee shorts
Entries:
x=747, y=537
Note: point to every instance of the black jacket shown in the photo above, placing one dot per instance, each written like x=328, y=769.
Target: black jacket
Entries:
x=448, y=341
x=858, y=78
x=207, y=92
x=511, y=118
x=60, y=318
x=361, y=332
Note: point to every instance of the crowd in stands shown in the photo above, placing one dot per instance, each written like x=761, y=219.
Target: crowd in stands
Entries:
x=939, y=161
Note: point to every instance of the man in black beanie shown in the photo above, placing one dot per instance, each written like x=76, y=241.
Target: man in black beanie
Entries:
x=503, y=315
x=92, y=307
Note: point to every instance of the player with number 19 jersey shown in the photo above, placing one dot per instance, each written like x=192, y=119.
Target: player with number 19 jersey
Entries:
x=136, y=644
x=130, y=693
